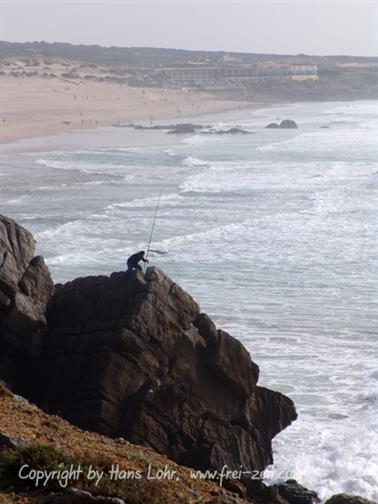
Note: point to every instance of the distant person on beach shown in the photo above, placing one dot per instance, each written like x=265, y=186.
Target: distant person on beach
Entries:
x=133, y=261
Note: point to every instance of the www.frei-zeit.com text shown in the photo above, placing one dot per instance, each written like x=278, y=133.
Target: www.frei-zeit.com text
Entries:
x=41, y=478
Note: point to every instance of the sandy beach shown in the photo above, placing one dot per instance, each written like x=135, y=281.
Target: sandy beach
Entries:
x=33, y=106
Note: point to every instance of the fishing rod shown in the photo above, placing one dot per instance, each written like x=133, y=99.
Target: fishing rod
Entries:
x=153, y=225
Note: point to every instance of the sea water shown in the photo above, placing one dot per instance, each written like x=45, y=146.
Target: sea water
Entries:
x=273, y=232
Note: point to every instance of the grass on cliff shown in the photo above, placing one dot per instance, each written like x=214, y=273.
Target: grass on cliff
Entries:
x=48, y=458
x=39, y=457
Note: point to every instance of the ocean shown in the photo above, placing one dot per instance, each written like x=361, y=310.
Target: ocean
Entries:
x=274, y=233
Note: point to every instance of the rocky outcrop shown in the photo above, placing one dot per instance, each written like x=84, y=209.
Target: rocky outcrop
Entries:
x=228, y=131
x=294, y=493
x=179, y=128
x=348, y=499
x=131, y=356
x=285, y=124
x=25, y=288
x=189, y=128
x=288, y=124
x=182, y=129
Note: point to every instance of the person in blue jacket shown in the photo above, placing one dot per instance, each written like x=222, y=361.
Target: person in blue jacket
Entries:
x=134, y=260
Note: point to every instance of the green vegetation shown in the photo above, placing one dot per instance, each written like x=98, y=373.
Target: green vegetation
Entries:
x=143, y=56
x=39, y=457
x=47, y=458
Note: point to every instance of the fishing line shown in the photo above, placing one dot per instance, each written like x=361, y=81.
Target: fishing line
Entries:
x=153, y=225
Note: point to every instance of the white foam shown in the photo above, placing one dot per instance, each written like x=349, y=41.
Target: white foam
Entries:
x=170, y=152
x=199, y=139
x=17, y=201
x=330, y=457
x=85, y=167
x=117, y=149
x=258, y=175
x=166, y=200
x=329, y=140
x=355, y=109
x=193, y=161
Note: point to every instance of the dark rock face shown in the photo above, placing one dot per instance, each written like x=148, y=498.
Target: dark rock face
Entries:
x=348, y=499
x=131, y=356
x=294, y=493
x=25, y=288
x=286, y=124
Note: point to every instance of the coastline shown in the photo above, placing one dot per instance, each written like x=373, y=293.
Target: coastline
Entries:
x=110, y=136
x=34, y=107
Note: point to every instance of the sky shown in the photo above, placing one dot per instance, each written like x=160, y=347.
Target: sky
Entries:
x=265, y=26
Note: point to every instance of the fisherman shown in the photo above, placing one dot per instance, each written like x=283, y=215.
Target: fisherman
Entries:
x=133, y=261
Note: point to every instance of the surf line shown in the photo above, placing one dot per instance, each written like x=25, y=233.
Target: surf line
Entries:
x=153, y=225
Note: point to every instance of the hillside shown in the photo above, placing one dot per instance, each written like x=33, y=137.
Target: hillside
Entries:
x=226, y=75
x=30, y=436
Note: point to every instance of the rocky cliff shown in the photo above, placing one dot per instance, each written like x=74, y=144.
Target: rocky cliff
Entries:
x=132, y=356
x=25, y=288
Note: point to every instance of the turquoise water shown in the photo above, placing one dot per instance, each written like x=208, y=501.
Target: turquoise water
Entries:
x=274, y=234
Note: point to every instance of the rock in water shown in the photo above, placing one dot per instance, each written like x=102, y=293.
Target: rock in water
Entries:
x=180, y=129
x=272, y=126
x=348, y=499
x=286, y=124
x=131, y=356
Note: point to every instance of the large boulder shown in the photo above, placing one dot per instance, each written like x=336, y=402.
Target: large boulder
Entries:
x=25, y=289
x=131, y=356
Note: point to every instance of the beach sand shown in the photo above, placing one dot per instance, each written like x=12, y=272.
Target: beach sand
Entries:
x=34, y=107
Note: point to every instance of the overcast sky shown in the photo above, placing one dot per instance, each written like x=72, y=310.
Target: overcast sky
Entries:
x=280, y=26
